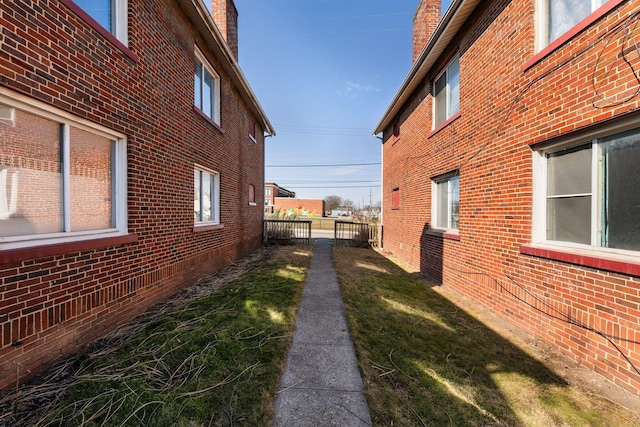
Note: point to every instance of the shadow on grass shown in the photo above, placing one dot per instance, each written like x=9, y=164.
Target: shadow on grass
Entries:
x=427, y=362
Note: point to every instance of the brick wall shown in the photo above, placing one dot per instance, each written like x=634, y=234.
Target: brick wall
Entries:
x=509, y=102
x=55, y=300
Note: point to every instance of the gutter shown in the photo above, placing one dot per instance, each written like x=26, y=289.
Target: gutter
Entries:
x=453, y=19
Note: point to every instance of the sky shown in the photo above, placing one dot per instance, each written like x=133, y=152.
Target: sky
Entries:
x=324, y=72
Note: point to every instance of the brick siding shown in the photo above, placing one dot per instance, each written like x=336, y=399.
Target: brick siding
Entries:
x=508, y=103
x=57, y=300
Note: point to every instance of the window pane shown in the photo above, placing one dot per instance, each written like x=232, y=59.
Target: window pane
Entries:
x=569, y=171
x=207, y=94
x=206, y=196
x=565, y=14
x=100, y=10
x=453, y=77
x=440, y=103
x=197, y=85
x=569, y=219
x=30, y=176
x=442, y=204
x=196, y=195
x=454, y=200
x=252, y=194
x=91, y=168
x=621, y=197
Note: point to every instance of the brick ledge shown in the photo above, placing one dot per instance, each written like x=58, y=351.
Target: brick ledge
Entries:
x=44, y=251
x=599, y=262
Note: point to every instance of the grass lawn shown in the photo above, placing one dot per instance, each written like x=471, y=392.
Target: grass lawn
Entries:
x=426, y=362
x=215, y=361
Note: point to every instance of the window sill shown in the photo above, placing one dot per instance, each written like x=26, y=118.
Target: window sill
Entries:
x=584, y=258
x=99, y=28
x=201, y=228
x=53, y=249
x=209, y=119
x=253, y=204
x=566, y=37
x=396, y=139
x=253, y=139
x=444, y=124
x=395, y=208
x=448, y=235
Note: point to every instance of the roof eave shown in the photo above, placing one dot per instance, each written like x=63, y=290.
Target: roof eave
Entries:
x=203, y=22
x=456, y=15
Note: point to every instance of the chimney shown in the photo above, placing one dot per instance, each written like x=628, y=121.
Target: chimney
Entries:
x=425, y=22
x=225, y=15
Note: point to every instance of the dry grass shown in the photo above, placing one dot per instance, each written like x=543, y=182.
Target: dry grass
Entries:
x=427, y=362
x=210, y=356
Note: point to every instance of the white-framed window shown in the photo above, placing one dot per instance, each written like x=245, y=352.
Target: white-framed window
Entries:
x=206, y=88
x=445, y=205
x=446, y=93
x=206, y=196
x=586, y=193
x=62, y=178
x=267, y=191
x=110, y=14
x=556, y=17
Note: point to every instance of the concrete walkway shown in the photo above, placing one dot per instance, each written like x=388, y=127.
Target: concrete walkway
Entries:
x=321, y=384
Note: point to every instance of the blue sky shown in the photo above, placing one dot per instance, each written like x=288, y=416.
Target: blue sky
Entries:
x=324, y=72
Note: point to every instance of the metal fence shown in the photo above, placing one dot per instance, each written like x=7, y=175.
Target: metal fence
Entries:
x=286, y=232
x=358, y=234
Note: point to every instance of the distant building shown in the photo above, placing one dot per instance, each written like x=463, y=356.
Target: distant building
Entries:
x=299, y=208
x=271, y=191
x=341, y=211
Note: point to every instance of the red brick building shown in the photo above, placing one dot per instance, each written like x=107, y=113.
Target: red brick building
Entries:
x=301, y=208
x=131, y=164
x=271, y=191
x=510, y=168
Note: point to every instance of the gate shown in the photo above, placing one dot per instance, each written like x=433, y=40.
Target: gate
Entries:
x=358, y=234
x=286, y=232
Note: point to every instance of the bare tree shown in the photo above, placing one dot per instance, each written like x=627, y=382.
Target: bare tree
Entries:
x=332, y=202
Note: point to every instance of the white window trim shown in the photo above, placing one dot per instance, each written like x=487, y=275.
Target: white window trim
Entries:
x=447, y=95
x=435, y=205
x=48, y=112
x=539, y=209
x=215, y=211
x=216, y=82
x=121, y=18
x=542, y=24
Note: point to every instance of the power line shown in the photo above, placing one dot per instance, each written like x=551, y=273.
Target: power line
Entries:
x=335, y=186
x=323, y=166
x=324, y=130
x=324, y=181
x=332, y=18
